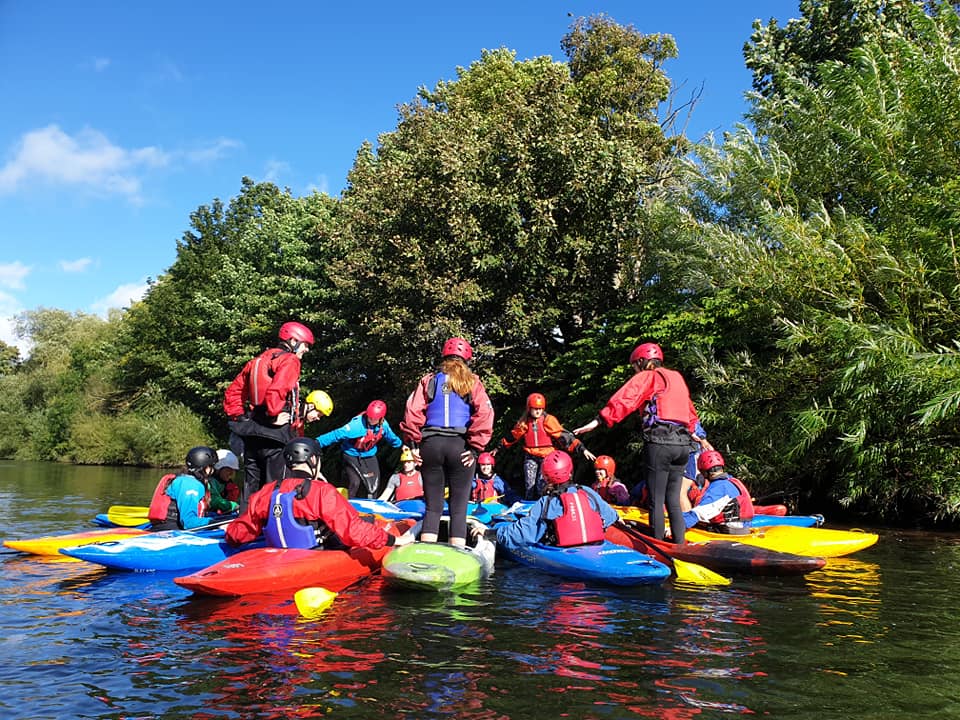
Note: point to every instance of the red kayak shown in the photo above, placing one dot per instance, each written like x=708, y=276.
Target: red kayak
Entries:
x=778, y=510
x=720, y=556
x=273, y=570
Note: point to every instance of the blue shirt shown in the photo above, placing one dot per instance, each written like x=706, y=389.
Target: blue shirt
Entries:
x=354, y=430
x=532, y=527
x=715, y=490
x=187, y=492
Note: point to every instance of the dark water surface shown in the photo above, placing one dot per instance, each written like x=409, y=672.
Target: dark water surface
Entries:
x=876, y=635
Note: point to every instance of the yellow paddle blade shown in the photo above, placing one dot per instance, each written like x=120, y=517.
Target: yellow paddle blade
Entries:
x=127, y=515
x=312, y=601
x=698, y=574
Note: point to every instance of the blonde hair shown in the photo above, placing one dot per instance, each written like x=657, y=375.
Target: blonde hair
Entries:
x=459, y=376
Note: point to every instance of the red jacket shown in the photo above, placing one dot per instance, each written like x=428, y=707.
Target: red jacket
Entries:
x=480, y=429
x=277, y=397
x=323, y=502
x=639, y=389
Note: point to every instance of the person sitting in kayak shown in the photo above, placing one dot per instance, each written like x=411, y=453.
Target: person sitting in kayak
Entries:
x=567, y=515
x=540, y=433
x=358, y=440
x=224, y=491
x=607, y=485
x=303, y=510
x=487, y=485
x=724, y=503
x=180, y=501
x=406, y=483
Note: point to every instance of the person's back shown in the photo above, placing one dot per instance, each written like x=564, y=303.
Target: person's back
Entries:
x=180, y=501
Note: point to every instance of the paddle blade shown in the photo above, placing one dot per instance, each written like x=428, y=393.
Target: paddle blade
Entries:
x=127, y=515
x=698, y=574
x=312, y=601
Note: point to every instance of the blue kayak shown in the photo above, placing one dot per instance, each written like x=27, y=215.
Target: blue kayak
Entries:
x=795, y=520
x=383, y=508
x=603, y=563
x=103, y=520
x=165, y=551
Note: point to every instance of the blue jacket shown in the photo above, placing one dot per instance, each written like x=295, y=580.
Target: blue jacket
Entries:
x=354, y=430
x=715, y=490
x=187, y=492
x=532, y=527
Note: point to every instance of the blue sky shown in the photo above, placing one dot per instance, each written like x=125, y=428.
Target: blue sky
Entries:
x=121, y=118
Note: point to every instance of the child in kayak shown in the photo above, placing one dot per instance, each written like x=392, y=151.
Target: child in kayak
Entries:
x=303, y=510
x=406, y=483
x=224, y=491
x=607, y=485
x=724, y=502
x=180, y=501
x=566, y=516
x=540, y=433
x=487, y=485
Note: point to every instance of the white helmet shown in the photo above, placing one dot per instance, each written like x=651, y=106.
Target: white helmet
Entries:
x=226, y=459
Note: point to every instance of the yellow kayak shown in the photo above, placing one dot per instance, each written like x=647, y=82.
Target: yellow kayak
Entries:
x=51, y=544
x=807, y=541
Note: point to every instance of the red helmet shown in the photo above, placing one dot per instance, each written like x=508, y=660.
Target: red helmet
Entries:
x=376, y=411
x=605, y=462
x=557, y=467
x=536, y=400
x=486, y=459
x=457, y=347
x=709, y=459
x=646, y=351
x=296, y=331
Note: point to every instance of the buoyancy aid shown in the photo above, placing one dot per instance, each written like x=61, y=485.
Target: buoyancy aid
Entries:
x=256, y=376
x=739, y=509
x=162, y=507
x=371, y=438
x=536, y=436
x=446, y=409
x=485, y=489
x=410, y=487
x=671, y=404
x=283, y=529
x=581, y=523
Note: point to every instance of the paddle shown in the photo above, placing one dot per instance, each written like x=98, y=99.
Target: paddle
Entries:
x=685, y=571
x=127, y=515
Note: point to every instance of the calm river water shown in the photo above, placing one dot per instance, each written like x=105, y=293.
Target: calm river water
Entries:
x=871, y=636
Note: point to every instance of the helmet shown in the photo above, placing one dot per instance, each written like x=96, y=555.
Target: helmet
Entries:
x=321, y=401
x=406, y=456
x=557, y=467
x=296, y=331
x=226, y=460
x=605, y=462
x=458, y=347
x=709, y=459
x=646, y=351
x=536, y=400
x=301, y=450
x=376, y=411
x=486, y=459
x=201, y=457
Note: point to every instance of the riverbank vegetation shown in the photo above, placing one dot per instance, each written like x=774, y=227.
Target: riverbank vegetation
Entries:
x=802, y=271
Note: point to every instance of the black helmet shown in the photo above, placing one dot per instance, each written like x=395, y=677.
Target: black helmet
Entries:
x=301, y=450
x=201, y=457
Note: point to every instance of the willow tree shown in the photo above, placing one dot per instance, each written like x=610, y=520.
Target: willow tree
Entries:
x=508, y=205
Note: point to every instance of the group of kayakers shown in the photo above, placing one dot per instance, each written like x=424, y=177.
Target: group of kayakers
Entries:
x=446, y=429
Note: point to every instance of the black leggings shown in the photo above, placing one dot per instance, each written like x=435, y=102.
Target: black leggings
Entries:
x=665, y=466
x=360, y=475
x=443, y=467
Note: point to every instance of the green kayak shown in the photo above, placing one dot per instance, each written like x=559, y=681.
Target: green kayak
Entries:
x=431, y=566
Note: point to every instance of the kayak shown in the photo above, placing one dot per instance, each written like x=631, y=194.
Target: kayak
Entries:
x=274, y=570
x=52, y=544
x=382, y=508
x=431, y=566
x=764, y=520
x=722, y=557
x=808, y=541
x=165, y=551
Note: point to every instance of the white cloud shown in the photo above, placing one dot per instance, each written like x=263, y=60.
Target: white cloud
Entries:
x=12, y=275
x=322, y=185
x=122, y=297
x=87, y=160
x=275, y=168
x=9, y=308
x=75, y=266
x=216, y=150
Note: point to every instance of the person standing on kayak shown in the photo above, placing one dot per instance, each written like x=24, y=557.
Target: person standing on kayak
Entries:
x=669, y=422
x=539, y=432
x=303, y=510
x=566, y=516
x=180, y=502
x=359, y=440
x=262, y=405
x=448, y=423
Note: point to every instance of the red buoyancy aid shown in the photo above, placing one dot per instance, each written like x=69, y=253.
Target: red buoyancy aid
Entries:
x=673, y=402
x=743, y=500
x=580, y=523
x=410, y=487
x=536, y=435
x=253, y=381
x=484, y=490
x=372, y=437
x=160, y=505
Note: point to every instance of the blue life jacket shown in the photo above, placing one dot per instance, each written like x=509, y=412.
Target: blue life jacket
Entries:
x=283, y=529
x=446, y=409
